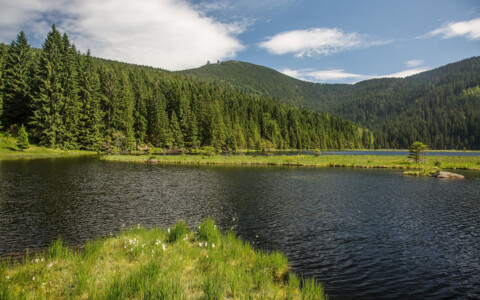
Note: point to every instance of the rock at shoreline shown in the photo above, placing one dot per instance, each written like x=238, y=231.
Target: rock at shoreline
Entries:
x=448, y=175
x=152, y=161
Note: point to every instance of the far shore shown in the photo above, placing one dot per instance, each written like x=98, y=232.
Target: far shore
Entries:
x=401, y=162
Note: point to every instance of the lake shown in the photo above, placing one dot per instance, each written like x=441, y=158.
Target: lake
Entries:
x=363, y=233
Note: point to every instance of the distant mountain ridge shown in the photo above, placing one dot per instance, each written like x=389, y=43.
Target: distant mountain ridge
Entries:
x=440, y=107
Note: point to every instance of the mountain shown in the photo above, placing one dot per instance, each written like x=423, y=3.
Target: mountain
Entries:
x=440, y=107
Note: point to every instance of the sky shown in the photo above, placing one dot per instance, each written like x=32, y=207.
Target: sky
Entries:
x=328, y=41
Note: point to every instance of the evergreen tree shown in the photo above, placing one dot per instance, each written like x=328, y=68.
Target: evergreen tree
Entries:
x=90, y=118
x=71, y=106
x=417, y=149
x=158, y=128
x=177, y=136
x=22, y=140
x=140, y=120
x=49, y=101
x=109, y=91
x=16, y=82
x=3, y=54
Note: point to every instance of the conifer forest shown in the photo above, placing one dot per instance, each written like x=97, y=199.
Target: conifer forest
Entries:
x=71, y=100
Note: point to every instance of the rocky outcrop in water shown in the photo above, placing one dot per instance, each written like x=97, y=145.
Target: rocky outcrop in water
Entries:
x=448, y=175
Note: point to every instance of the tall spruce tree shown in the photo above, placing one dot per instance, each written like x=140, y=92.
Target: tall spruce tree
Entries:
x=109, y=91
x=158, y=128
x=16, y=86
x=90, y=118
x=3, y=54
x=49, y=100
x=140, y=115
x=177, y=135
x=69, y=85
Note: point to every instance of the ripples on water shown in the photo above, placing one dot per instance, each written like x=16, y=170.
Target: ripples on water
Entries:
x=363, y=233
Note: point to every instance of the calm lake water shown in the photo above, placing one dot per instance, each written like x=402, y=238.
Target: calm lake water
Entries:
x=363, y=233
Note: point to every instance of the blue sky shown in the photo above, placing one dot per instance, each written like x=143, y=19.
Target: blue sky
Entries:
x=322, y=41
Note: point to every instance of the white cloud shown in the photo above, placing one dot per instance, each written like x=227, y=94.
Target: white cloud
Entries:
x=414, y=63
x=168, y=34
x=341, y=76
x=316, y=41
x=336, y=75
x=469, y=29
x=404, y=73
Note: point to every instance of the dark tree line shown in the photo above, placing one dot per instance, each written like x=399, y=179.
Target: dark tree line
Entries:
x=70, y=100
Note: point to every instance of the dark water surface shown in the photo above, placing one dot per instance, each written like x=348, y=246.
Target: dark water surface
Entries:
x=363, y=233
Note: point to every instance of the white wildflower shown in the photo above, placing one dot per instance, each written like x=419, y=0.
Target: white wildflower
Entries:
x=200, y=244
x=164, y=248
x=213, y=245
x=33, y=278
x=168, y=230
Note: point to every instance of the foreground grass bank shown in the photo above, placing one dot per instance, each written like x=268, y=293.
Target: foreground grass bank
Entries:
x=357, y=161
x=157, y=264
x=10, y=151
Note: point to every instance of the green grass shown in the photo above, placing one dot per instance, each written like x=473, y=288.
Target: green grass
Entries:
x=10, y=151
x=156, y=264
x=354, y=161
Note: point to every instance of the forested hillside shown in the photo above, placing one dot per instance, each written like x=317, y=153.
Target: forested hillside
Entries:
x=73, y=101
x=440, y=107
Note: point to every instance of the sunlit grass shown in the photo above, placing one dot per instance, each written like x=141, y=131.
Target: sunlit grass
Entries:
x=176, y=263
x=335, y=161
x=10, y=151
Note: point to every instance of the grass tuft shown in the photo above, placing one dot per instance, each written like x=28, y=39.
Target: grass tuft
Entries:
x=213, y=288
x=311, y=290
x=208, y=231
x=58, y=251
x=179, y=232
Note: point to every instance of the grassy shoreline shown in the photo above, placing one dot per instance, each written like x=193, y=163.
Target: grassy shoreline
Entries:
x=350, y=161
x=10, y=151
x=176, y=263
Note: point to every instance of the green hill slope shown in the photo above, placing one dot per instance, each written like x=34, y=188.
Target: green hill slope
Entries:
x=440, y=107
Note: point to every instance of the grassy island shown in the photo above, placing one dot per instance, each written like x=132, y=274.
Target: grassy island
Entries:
x=140, y=263
x=432, y=164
